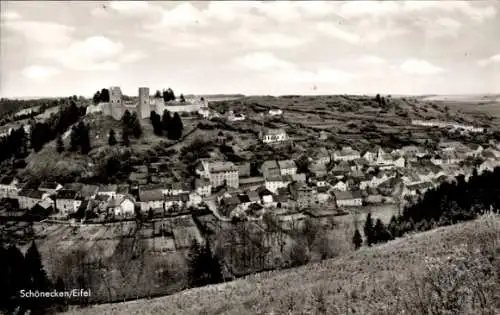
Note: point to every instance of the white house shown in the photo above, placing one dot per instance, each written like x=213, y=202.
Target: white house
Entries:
x=235, y=117
x=151, y=199
x=203, y=187
x=348, y=199
x=122, y=206
x=109, y=190
x=400, y=162
x=274, y=183
x=346, y=154
x=50, y=187
x=273, y=135
x=66, y=201
x=8, y=187
x=287, y=167
x=340, y=186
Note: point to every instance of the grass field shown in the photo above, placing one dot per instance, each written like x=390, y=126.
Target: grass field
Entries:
x=369, y=281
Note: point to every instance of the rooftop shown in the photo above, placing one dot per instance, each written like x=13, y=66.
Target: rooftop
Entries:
x=286, y=164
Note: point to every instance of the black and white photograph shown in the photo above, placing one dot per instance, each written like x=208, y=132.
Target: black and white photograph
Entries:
x=250, y=157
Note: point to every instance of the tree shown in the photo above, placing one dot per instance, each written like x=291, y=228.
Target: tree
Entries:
x=84, y=137
x=158, y=94
x=377, y=98
x=104, y=95
x=168, y=95
x=175, y=128
x=156, y=122
x=204, y=267
x=380, y=233
x=60, y=144
x=74, y=139
x=368, y=229
x=112, y=137
x=166, y=119
x=125, y=137
x=182, y=99
x=357, y=240
x=135, y=125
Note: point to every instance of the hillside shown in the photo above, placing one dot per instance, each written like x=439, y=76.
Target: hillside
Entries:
x=385, y=279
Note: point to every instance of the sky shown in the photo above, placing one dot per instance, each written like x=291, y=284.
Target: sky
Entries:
x=250, y=47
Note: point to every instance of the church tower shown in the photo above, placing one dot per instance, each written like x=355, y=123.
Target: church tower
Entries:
x=144, y=108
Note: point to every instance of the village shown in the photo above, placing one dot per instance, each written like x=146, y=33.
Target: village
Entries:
x=328, y=183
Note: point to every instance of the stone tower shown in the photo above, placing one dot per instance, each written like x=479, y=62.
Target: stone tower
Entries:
x=115, y=102
x=144, y=108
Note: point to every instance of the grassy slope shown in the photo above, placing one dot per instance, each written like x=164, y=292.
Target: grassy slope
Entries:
x=366, y=280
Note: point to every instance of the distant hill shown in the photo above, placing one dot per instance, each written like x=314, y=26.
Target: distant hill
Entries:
x=382, y=279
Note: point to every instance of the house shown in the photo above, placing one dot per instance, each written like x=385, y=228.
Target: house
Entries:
x=28, y=198
x=122, y=206
x=66, y=201
x=417, y=189
x=176, y=188
x=273, y=183
x=253, y=196
x=137, y=179
x=122, y=190
x=322, y=195
x=100, y=203
x=348, y=199
x=203, y=187
x=374, y=181
x=194, y=199
x=235, y=117
x=50, y=187
x=275, y=112
x=300, y=177
x=475, y=150
x=319, y=170
x=270, y=169
x=449, y=145
x=9, y=187
x=346, y=154
x=273, y=135
x=287, y=167
x=244, y=170
x=219, y=173
x=265, y=195
x=370, y=156
x=320, y=156
x=151, y=199
x=340, y=186
x=109, y=190
x=384, y=159
x=252, y=182
x=400, y=162
x=172, y=201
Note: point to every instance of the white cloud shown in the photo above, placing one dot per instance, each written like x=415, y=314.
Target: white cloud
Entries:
x=374, y=8
x=262, y=61
x=130, y=7
x=419, y=67
x=279, y=70
x=333, y=30
x=271, y=39
x=10, y=15
x=39, y=72
x=476, y=13
x=182, y=15
x=488, y=61
x=42, y=33
x=371, y=59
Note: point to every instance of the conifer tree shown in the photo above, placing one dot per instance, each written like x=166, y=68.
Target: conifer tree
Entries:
x=368, y=229
x=166, y=119
x=112, y=137
x=357, y=240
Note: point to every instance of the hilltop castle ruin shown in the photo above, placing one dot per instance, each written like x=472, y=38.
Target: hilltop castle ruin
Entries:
x=145, y=104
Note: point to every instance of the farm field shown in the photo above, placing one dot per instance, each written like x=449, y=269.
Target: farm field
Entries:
x=367, y=281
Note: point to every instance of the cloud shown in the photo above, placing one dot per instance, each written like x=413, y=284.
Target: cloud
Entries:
x=420, y=67
x=10, y=15
x=371, y=59
x=129, y=7
x=42, y=33
x=133, y=56
x=270, y=39
x=279, y=70
x=260, y=61
x=39, y=72
x=443, y=26
x=476, y=13
x=181, y=16
x=332, y=30
x=490, y=60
